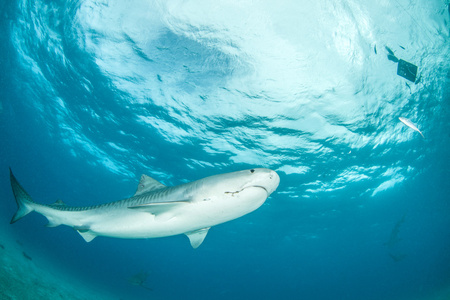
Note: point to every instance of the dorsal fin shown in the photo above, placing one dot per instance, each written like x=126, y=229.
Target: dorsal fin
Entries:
x=148, y=184
x=59, y=202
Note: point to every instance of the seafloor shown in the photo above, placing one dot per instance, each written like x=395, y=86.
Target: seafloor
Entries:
x=26, y=276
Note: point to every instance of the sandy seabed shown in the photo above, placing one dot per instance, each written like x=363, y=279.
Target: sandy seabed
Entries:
x=22, y=277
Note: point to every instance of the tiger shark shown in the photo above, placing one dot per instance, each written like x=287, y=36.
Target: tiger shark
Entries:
x=157, y=210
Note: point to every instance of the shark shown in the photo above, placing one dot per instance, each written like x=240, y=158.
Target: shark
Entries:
x=157, y=210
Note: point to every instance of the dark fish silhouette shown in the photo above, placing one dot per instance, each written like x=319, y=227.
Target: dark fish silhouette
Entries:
x=393, y=238
x=26, y=256
x=139, y=279
x=397, y=257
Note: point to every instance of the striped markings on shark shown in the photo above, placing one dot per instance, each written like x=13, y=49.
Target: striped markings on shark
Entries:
x=156, y=210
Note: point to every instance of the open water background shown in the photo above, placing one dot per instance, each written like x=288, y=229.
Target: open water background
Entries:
x=95, y=93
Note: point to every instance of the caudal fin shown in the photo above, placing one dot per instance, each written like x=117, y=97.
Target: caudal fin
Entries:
x=24, y=201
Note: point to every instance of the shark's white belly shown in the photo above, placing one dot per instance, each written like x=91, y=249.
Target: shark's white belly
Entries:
x=186, y=217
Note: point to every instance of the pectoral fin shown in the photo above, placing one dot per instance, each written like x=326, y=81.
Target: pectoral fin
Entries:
x=196, y=237
x=85, y=233
x=163, y=211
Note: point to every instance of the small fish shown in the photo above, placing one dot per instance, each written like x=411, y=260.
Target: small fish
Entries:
x=26, y=256
x=397, y=257
x=410, y=125
x=393, y=238
x=139, y=279
x=2, y=247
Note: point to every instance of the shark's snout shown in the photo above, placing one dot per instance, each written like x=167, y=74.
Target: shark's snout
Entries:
x=266, y=179
x=273, y=182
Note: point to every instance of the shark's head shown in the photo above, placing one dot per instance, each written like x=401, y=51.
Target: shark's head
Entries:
x=232, y=195
x=237, y=182
x=222, y=198
x=265, y=179
x=251, y=186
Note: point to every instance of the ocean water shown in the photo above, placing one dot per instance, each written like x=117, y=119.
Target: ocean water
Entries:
x=96, y=93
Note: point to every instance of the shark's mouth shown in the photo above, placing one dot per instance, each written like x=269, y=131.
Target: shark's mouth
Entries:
x=247, y=187
x=261, y=187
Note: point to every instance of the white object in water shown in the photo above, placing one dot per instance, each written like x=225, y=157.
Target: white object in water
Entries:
x=410, y=125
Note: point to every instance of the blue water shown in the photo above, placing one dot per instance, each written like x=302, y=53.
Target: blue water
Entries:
x=95, y=93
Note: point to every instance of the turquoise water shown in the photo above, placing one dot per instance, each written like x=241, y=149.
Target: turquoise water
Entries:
x=95, y=93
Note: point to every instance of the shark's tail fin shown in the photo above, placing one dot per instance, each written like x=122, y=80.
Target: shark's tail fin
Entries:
x=24, y=201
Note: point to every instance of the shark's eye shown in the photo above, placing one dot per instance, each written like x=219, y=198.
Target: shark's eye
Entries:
x=252, y=170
